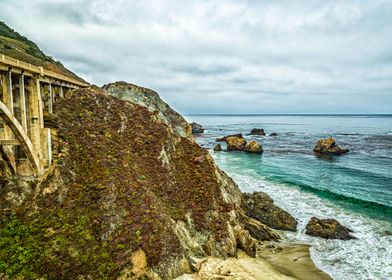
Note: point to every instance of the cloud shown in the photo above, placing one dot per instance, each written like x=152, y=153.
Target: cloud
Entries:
x=225, y=56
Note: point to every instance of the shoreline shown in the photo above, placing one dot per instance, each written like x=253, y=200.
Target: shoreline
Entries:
x=274, y=261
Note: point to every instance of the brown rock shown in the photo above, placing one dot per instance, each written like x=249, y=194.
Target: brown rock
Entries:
x=253, y=147
x=223, y=139
x=245, y=241
x=235, y=143
x=328, y=146
x=261, y=207
x=328, y=229
x=259, y=231
x=218, y=148
x=257, y=131
x=196, y=128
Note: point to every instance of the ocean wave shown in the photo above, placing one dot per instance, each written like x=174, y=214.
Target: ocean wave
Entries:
x=368, y=257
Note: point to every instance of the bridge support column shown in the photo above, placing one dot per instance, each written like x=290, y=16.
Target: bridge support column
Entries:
x=8, y=101
x=36, y=121
x=61, y=92
x=9, y=98
x=23, y=109
x=50, y=99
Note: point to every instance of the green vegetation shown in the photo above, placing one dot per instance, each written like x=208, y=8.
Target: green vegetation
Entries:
x=19, y=43
x=111, y=195
x=20, y=249
x=17, y=46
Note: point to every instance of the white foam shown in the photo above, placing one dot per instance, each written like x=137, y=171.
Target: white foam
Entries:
x=368, y=257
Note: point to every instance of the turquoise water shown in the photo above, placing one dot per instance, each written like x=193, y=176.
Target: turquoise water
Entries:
x=356, y=187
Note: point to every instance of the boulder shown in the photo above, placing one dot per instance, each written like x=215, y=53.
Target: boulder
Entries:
x=258, y=230
x=328, y=146
x=218, y=148
x=235, y=143
x=196, y=128
x=253, y=147
x=274, y=134
x=328, y=229
x=223, y=139
x=257, y=131
x=261, y=207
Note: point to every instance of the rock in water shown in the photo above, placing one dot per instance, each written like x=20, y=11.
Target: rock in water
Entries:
x=257, y=131
x=261, y=207
x=253, y=147
x=328, y=229
x=235, y=143
x=196, y=128
x=274, y=134
x=218, y=148
x=328, y=146
x=223, y=139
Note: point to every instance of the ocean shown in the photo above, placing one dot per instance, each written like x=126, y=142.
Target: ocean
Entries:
x=355, y=188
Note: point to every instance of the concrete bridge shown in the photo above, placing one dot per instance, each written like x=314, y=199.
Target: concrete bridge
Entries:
x=27, y=95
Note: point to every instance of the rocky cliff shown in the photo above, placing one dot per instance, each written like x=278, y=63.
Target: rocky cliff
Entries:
x=129, y=194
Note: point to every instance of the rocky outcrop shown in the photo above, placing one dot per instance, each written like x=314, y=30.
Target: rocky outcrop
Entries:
x=259, y=230
x=218, y=148
x=273, y=134
x=261, y=207
x=257, y=131
x=196, y=128
x=223, y=139
x=253, y=147
x=328, y=146
x=328, y=228
x=150, y=100
x=128, y=192
x=235, y=143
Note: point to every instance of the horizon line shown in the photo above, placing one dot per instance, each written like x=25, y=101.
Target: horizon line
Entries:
x=287, y=114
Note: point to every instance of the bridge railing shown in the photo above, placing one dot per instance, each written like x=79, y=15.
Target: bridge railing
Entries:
x=39, y=70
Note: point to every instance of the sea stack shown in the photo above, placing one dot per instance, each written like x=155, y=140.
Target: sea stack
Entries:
x=197, y=128
x=257, y=131
x=328, y=229
x=328, y=146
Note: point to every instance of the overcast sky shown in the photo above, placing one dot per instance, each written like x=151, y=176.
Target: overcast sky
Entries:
x=224, y=56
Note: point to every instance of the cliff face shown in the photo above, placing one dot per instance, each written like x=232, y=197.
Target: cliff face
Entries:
x=129, y=194
x=151, y=101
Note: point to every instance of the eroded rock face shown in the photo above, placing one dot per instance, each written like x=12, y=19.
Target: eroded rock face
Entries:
x=257, y=131
x=152, y=102
x=127, y=186
x=235, y=143
x=253, y=147
x=261, y=207
x=328, y=146
x=328, y=229
x=196, y=128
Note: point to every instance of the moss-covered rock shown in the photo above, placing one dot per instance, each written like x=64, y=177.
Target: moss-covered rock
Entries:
x=123, y=182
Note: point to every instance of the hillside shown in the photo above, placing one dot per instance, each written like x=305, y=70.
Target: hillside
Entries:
x=129, y=195
x=17, y=46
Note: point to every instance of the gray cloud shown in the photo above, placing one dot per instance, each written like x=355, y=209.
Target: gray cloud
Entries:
x=225, y=56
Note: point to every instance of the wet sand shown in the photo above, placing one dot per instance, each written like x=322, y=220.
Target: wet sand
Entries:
x=277, y=262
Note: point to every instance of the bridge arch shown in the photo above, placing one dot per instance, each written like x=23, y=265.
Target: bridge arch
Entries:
x=21, y=136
